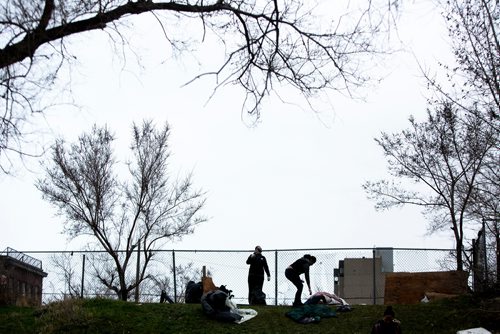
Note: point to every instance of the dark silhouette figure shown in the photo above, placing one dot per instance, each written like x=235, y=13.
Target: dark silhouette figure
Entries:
x=388, y=324
x=258, y=265
x=293, y=272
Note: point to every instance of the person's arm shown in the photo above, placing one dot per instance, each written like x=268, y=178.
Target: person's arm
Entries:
x=306, y=274
x=250, y=259
x=266, y=269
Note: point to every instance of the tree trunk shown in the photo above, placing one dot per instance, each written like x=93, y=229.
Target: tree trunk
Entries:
x=497, y=237
x=460, y=262
x=123, y=294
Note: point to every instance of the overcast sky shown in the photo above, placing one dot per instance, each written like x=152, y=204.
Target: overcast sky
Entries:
x=292, y=181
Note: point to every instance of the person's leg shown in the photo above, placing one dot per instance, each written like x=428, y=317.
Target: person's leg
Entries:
x=250, y=289
x=295, y=279
x=298, y=294
x=259, y=283
x=253, y=286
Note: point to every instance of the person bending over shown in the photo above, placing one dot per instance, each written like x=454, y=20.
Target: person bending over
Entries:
x=293, y=272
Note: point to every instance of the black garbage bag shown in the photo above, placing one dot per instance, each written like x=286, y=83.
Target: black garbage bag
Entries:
x=194, y=291
x=214, y=306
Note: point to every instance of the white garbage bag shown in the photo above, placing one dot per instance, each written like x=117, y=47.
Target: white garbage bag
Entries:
x=478, y=330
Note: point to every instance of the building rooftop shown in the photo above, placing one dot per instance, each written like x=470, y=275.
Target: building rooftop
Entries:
x=12, y=253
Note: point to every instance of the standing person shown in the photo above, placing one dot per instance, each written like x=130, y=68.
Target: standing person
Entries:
x=258, y=264
x=293, y=272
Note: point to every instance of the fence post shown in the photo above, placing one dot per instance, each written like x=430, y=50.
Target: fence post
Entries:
x=175, y=276
x=475, y=279
x=83, y=276
x=485, y=274
x=374, y=278
x=276, y=277
x=137, y=271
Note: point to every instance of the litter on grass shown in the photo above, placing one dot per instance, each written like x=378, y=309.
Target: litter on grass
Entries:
x=478, y=330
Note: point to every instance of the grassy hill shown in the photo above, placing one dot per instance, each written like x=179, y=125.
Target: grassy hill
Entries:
x=108, y=316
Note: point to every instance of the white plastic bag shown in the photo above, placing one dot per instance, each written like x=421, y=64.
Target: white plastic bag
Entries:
x=478, y=330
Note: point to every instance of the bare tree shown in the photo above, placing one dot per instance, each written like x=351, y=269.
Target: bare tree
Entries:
x=442, y=157
x=474, y=86
x=454, y=154
x=141, y=213
x=474, y=80
x=473, y=27
x=66, y=272
x=268, y=43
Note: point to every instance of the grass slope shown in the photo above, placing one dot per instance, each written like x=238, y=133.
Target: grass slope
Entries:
x=108, y=316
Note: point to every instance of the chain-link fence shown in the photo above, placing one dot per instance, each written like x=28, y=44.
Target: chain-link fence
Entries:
x=485, y=266
x=74, y=273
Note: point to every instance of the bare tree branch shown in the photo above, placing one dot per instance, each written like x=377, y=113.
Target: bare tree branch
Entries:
x=443, y=159
x=270, y=43
x=123, y=217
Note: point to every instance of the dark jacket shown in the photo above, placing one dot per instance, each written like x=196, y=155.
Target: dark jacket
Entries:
x=213, y=304
x=301, y=266
x=382, y=327
x=258, y=264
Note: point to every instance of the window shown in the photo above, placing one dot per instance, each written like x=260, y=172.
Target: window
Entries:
x=22, y=288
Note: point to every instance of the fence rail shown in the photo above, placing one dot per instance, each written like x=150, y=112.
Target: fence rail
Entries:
x=72, y=273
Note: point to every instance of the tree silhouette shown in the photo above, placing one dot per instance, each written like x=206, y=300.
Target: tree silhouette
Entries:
x=268, y=44
x=128, y=218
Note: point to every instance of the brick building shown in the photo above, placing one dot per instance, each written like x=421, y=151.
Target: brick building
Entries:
x=21, y=278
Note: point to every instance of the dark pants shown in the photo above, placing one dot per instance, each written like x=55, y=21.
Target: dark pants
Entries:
x=255, y=284
x=295, y=279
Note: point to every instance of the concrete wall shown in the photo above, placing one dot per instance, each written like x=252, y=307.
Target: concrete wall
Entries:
x=356, y=284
